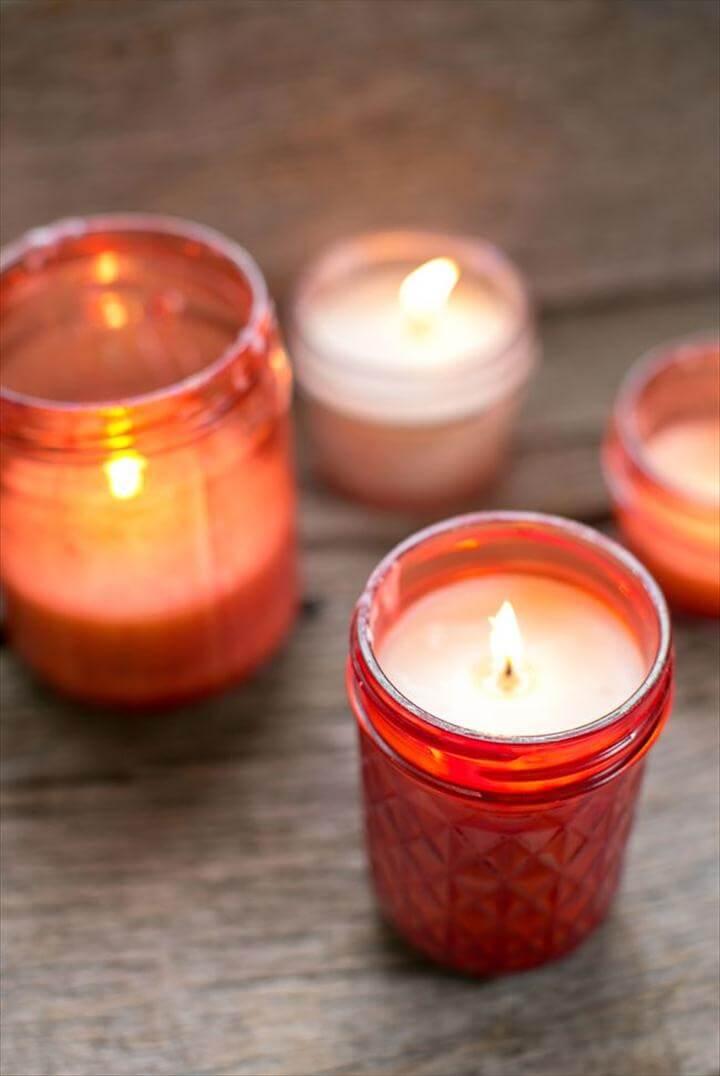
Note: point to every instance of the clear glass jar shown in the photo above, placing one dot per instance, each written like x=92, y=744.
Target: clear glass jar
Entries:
x=403, y=416
x=147, y=497
x=494, y=854
x=662, y=466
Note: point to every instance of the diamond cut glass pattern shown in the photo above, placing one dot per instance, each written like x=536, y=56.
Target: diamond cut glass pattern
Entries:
x=481, y=888
x=494, y=854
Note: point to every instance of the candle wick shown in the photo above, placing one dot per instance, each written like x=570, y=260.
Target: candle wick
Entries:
x=508, y=676
x=419, y=324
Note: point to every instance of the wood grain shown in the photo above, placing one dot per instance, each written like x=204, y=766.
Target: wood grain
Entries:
x=581, y=136
x=187, y=894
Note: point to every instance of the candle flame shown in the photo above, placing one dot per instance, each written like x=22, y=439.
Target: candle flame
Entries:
x=506, y=645
x=125, y=474
x=424, y=292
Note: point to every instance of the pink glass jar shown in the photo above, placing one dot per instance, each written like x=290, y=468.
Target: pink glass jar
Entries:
x=147, y=496
x=495, y=854
x=402, y=416
x=662, y=466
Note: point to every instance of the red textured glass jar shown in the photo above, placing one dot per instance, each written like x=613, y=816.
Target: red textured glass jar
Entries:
x=494, y=854
x=147, y=497
x=662, y=466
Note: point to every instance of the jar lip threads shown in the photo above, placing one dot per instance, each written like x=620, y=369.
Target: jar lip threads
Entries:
x=595, y=547
x=39, y=248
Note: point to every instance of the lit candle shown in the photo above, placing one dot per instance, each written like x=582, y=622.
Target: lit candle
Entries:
x=662, y=464
x=147, y=503
x=407, y=322
x=552, y=658
x=412, y=352
x=508, y=673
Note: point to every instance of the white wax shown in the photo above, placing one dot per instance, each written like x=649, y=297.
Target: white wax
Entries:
x=360, y=319
x=412, y=388
x=687, y=454
x=580, y=660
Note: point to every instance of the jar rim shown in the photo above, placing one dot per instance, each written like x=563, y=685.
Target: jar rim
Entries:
x=148, y=224
x=377, y=248
x=581, y=533
x=640, y=376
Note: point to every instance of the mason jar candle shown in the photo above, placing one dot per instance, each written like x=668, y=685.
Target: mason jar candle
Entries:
x=509, y=673
x=662, y=466
x=411, y=351
x=147, y=498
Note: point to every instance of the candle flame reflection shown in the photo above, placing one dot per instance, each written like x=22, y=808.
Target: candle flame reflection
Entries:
x=125, y=474
x=506, y=646
x=107, y=267
x=113, y=311
x=424, y=292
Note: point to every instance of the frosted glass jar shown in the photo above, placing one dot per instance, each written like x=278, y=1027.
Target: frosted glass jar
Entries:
x=405, y=411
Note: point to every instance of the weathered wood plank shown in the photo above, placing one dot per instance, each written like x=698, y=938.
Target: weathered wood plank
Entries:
x=166, y=915
x=188, y=894
x=580, y=136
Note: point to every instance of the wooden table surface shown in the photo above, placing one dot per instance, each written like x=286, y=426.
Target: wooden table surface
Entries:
x=187, y=893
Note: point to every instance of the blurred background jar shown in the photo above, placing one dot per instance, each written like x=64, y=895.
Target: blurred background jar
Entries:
x=148, y=506
x=412, y=352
